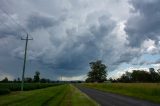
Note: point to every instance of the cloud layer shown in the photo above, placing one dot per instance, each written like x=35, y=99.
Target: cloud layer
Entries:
x=69, y=34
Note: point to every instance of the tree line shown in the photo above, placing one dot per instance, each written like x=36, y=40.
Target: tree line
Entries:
x=139, y=76
x=35, y=79
x=98, y=73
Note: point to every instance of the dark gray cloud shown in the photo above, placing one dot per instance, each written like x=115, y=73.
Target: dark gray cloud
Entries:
x=70, y=34
x=8, y=27
x=37, y=21
x=145, y=23
x=80, y=48
x=69, y=55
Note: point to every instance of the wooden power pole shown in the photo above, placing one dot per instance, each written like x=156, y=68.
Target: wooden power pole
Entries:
x=24, y=64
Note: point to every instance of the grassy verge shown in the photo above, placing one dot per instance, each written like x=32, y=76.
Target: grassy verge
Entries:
x=62, y=95
x=146, y=91
x=75, y=97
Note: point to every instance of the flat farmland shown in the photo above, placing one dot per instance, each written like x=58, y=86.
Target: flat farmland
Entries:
x=86, y=94
x=61, y=95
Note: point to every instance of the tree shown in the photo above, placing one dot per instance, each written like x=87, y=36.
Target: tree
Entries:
x=140, y=76
x=98, y=72
x=36, y=76
x=154, y=76
x=126, y=77
x=5, y=79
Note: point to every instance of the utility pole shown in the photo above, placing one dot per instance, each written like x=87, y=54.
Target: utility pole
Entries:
x=24, y=64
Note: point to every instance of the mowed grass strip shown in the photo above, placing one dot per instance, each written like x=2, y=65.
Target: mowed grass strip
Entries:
x=74, y=97
x=62, y=95
x=146, y=91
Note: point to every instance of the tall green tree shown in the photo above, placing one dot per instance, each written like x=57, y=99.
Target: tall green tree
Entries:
x=154, y=75
x=36, y=76
x=98, y=72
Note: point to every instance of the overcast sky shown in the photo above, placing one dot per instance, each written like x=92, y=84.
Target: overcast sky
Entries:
x=68, y=34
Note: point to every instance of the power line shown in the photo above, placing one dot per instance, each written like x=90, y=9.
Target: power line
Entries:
x=18, y=24
x=26, y=44
x=3, y=23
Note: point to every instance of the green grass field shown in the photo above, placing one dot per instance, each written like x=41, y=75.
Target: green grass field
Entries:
x=146, y=91
x=27, y=86
x=6, y=88
x=62, y=95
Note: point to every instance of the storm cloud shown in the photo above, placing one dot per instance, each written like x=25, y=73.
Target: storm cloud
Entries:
x=69, y=34
x=145, y=23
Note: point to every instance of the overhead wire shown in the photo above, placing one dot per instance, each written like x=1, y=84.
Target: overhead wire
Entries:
x=12, y=19
x=4, y=24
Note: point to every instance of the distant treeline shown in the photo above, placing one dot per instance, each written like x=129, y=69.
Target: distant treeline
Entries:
x=139, y=76
x=27, y=80
x=36, y=78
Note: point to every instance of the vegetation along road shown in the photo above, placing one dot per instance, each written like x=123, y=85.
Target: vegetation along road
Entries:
x=110, y=99
x=62, y=95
